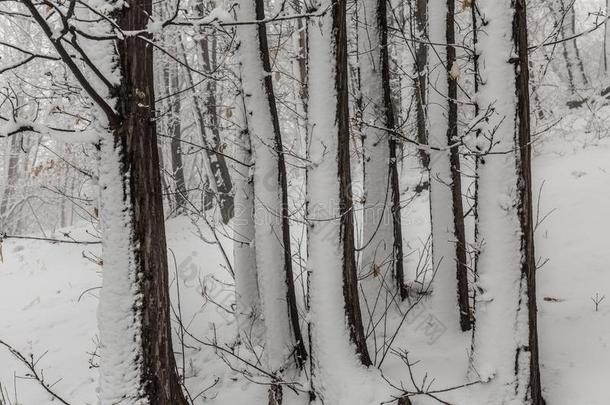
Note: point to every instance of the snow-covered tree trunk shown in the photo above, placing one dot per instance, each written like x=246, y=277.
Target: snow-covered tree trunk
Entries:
x=10, y=179
x=420, y=80
x=284, y=343
x=214, y=162
x=220, y=174
x=571, y=16
x=299, y=67
x=219, y=185
x=300, y=61
x=505, y=337
x=382, y=261
x=176, y=146
x=120, y=308
x=476, y=80
x=338, y=346
x=137, y=364
x=449, y=280
x=559, y=13
x=171, y=85
x=247, y=298
x=526, y=218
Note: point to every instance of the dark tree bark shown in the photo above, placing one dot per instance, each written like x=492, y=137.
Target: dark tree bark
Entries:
x=166, y=189
x=172, y=86
x=456, y=177
x=382, y=20
x=350, y=271
x=475, y=204
x=421, y=77
x=135, y=136
x=566, y=57
x=528, y=262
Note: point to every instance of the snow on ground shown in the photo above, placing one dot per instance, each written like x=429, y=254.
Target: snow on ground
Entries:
x=575, y=238
x=40, y=312
x=45, y=308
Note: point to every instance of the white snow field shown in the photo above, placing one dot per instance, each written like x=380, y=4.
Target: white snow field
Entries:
x=48, y=303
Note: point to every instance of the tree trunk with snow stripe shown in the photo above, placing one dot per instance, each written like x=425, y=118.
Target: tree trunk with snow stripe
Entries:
x=505, y=337
x=220, y=174
x=528, y=262
x=420, y=81
x=338, y=344
x=137, y=362
x=284, y=343
x=450, y=271
x=175, y=130
x=382, y=261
